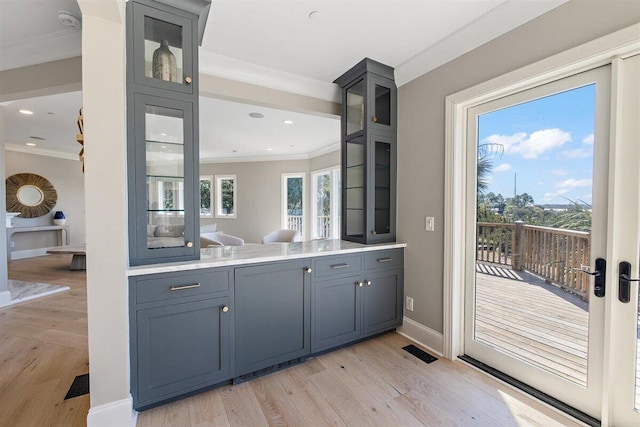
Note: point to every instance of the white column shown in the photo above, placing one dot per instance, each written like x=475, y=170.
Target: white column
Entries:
x=104, y=102
x=5, y=297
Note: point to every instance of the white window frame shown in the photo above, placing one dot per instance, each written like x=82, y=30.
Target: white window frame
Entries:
x=283, y=200
x=218, y=196
x=211, y=198
x=336, y=194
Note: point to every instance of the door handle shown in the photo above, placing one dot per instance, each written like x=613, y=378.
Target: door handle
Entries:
x=624, y=282
x=599, y=276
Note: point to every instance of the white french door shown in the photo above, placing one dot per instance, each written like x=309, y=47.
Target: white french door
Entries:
x=555, y=189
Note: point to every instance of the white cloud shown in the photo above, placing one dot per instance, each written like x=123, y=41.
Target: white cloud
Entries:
x=502, y=168
x=574, y=183
x=559, y=172
x=578, y=152
x=588, y=139
x=530, y=146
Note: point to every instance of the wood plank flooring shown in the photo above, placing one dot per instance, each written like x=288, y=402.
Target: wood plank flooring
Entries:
x=43, y=346
x=373, y=383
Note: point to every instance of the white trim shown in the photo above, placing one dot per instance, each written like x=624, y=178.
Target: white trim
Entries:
x=324, y=150
x=218, y=196
x=41, y=152
x=426, y=337
x=118, y=413
x=5, y=298
x=28, y=253
x=234, y=69
x=500, y=20
x=598, y=52
x=278, y=157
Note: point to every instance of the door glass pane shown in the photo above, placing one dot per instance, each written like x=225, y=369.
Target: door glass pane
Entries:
x=295, y=197
x=533, y=231
x=355, y=197
x=162, y=50
x=164, y=139
x=382, y=193
x=322, y=197
x=355, y=107
x=383, y=105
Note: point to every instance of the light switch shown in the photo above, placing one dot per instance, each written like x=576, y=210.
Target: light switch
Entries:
x=430, y=223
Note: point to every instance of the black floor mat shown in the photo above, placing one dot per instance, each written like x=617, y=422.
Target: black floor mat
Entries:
x=420, y=354
x=79, y=387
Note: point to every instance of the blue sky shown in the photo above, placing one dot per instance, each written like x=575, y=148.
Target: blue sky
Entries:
x=547, y=142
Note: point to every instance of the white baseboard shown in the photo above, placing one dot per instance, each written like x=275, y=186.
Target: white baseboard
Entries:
x=5, y=298
x=119, y=413
x=28, y=253
x=421, y=334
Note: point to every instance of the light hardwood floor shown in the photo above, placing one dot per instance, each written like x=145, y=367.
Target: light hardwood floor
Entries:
x=43, y=346
x=373, y=383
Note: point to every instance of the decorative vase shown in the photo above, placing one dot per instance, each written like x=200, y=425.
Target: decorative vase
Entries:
x=59, y=218
x=164, y=63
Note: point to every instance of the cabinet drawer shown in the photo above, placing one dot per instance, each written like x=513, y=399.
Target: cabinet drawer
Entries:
x=349, y=264
x=166, y=287
x=383, y=259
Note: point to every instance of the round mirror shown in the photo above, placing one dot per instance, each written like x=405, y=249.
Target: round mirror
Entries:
x=30, y=195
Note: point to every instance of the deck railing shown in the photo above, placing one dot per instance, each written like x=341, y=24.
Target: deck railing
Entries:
x=294, y=222
x=323, y=226
x=554, y=254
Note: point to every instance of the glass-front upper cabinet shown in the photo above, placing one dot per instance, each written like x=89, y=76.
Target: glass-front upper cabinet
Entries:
x=369, y=113
x=164, y=180
x=163, y=45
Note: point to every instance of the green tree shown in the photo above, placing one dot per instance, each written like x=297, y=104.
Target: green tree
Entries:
x=205, y=197
x=227, y=196
x=294, y=196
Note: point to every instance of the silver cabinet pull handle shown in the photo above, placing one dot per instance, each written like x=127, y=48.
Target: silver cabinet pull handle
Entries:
x=385, y=259
x=183, y=287
x=337, y=266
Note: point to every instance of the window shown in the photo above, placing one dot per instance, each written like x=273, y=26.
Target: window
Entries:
x=326, y=204
x=226, y=196
x=206, y=196
x=293, y=194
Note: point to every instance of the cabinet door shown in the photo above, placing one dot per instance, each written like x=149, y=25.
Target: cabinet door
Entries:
x=180, y=348
x=272, y=315
x=382, y=104
x=163, y=49
x=382, y=188
x=354, y=196
x=163, y=158
x=382, y=303
x=335, y=317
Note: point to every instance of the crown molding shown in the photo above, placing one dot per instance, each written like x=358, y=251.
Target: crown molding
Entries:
x=41, y=152
x=324, y=150
x=498, y=21
x=235, y=69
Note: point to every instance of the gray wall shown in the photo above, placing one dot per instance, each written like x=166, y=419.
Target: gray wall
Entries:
x=259, y=187
x=67, y=178
x=422, y=128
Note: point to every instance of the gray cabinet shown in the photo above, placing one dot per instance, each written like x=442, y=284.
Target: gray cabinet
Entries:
x=180, y=334
x=162, y=132
x=355, y=304
x=369, y=165
x=272, y=314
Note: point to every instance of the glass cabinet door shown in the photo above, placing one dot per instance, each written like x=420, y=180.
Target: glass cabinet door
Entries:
x=382, y=104
x=355, y=96
x=383, y=188
x=162, y=49
x=355, y=182
x=164, y=191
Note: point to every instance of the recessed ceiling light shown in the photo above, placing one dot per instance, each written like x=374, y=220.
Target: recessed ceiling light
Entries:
x=256, y=115
x=27, y=112
x=163, y=134
x=31, y=144
x=288, y=122
x=314, y=15
x=269, y=149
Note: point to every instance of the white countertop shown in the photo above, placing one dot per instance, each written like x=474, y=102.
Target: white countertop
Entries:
x=254, y=253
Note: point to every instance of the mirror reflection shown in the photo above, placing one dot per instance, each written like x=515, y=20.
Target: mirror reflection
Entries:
x=30, y=195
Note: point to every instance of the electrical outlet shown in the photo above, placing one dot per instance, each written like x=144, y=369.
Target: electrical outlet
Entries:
x=409, y=304
x=429, y=223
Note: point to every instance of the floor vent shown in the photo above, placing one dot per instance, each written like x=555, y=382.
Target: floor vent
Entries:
x=419, y=353
x=79, y=387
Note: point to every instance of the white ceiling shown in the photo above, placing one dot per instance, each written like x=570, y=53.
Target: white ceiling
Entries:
x=271, y=43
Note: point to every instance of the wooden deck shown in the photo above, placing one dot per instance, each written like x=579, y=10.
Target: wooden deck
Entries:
x=520, y=314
